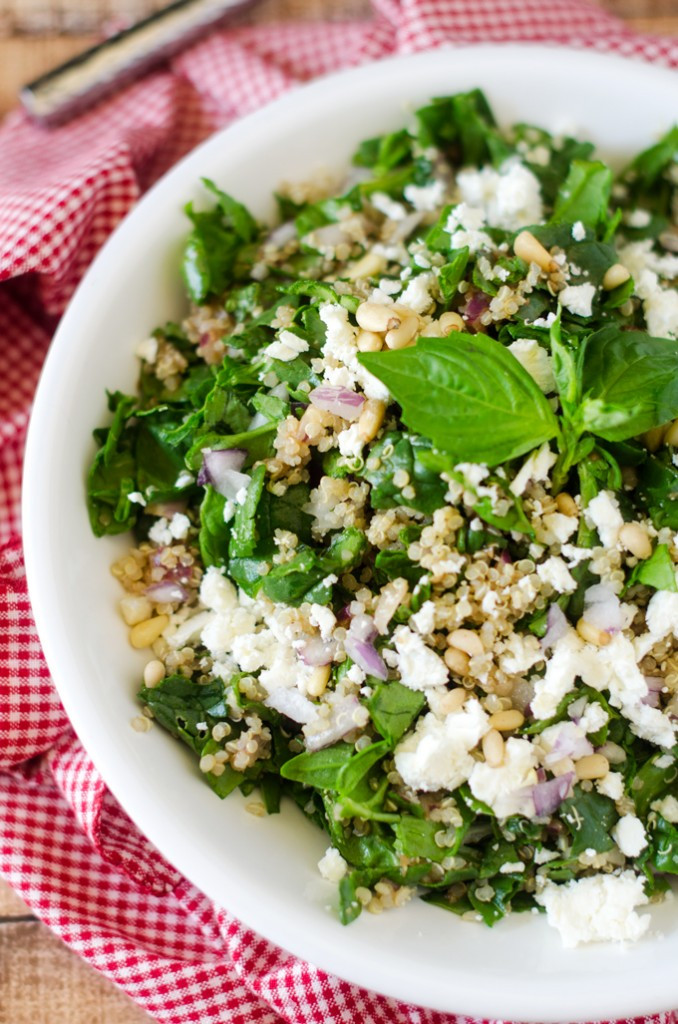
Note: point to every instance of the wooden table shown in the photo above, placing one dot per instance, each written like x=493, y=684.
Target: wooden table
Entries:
x=41, y=981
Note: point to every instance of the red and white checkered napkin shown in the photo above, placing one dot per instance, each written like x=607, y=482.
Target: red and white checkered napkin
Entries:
x=63, y=838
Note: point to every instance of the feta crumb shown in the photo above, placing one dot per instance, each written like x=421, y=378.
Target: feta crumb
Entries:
x=324, y=618
x=419, y=666
x=147, y=350
x=637, y=218
x=350, y=442
x=511, y=868
x=437, y=754
x=596, y=909
x=536, y=467
x=536, y=360
x=340, y=352
x=602, y=513
x=424, y=620
x=668, y=808
x=464, y=225
x=578, y=298
x=390, y=208
x=137, y=497
x=611, y=785
x=594, y=717
x=629, y=835
x=425, y=197
x=555, y=572
x=502, y=788
x=417, y=295
x=332, y=865
x=286, y=348
x=578, y=231
x=510, y=198
x=545, y=321
x=544, y=856
x=185, y=479
x=217, y=592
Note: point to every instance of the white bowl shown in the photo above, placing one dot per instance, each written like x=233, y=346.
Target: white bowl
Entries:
x=264, y=870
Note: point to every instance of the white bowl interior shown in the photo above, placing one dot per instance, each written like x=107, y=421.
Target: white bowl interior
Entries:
x=264, y=870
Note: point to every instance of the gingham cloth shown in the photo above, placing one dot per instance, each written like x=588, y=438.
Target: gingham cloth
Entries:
x=63, y=838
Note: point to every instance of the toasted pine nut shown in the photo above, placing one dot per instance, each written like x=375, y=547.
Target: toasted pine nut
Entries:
x=587, y=631
x=566, y=504
x=371, y=419
x=671, y=434
x=634, y=538
x=593, y=766
x=466, y=640
x=614, y=276
x=135, y=608
x=143, y=634
x=453, y=700
x=154, y=673
x=369, y=341
x=141, y=724
x=506, y=721
x=402, y=336
x=318, y=680
x=456, y=661
x=530, y=249
x=652, y=439
x=373, y=316
x=493, y=748
x=369, y=265
x=451, y=322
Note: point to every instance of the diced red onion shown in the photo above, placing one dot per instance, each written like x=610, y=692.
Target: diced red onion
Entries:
x=362, y=627
x=337, y=400
x=366, y=657
x=655, y=685
x=602, y=608
x=283, y=234
x=291, y=703
x=315, y=651
x=568, y=744
x=505, y=558
x=220, y=468
x=556, y=627
x=477, y=304
x=341, y=722
x=166, y=592
x=548, y=796
x=177, y=574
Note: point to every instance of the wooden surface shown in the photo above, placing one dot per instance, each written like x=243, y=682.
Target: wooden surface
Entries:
x=41, y=981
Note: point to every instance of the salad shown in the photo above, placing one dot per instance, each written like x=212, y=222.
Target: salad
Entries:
x=402, y=489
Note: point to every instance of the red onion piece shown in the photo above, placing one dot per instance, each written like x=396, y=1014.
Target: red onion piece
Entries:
x=166, y=592
x=362, y=628
x=556, y=627
x=315, y=651
x=341, y=722
x=548, y=796
x=220, y=468
x=655, y=685
x=291, y=703
x=569, y=743
x=337, y=400
x=602, y=608
x=366, y=657
x=477, y=304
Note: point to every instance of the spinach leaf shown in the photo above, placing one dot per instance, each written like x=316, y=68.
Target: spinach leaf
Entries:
x=452, y=273
x=393, y=709
x=629, y=382
x=468, y=394
x=214, y=531
x=181, y=705
x=463, y=127
x=584, y=195
x=112, y=473
x=415, y=837
x=589, y=818
x=657, y=571
x=400, y=452
x=646, y=177
x=394, y=564
x=665, y=847
x=235, y=215
x=658, y=490
x=244, y=532
x=258, y=444
x=301, y=579
x=652, y=781
x=319, y=768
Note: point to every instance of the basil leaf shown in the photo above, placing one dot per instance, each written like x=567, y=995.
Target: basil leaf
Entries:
x=589, y=818
x=355, y=770
x=393, y=708
x=657, y=571
x=584, y=195
x=468, y=394
x=319, y=768
x=629, y=383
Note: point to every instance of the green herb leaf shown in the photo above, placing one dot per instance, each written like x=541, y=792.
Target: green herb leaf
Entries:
x=589, y=818
x=468, y=394
x=652, y=781
x=320, y=768
x=397, y=451
x=584, y=195
x=393, y=708
x=657, y=571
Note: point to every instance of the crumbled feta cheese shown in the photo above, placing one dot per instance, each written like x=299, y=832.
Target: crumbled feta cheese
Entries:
x=637, y=218
x=518, y=653
x=147, y=350
x=332, y=865
x=425, y=197
x=536, y=360
x=424, y=620
x=286, y=348
x=217, y=592
x=578, y=231
x=578, y=298
x=229, y=510
x=545, y=321
x=502, y=787
x=556, y=528
x=660, y=304
x=324, y=618
x=340, y=351
x=555, y=572
x=570, y=658
x=511, y=868
x=390, y=208
x=594, y=717
x=350, y=442
x=602, y=513
x=629, y=835
x=464, y=225
x=185, y=479
x=611, y=785
x=668, y=808
x=137, y=497
x=417, y=296
x=418, y=665
x=536, y=467
x=596, y=909
x=510, y=198
x=544, y=856
x=160, y=532
x=437, y=754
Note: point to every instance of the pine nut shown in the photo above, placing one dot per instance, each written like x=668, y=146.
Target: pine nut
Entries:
x=671, y=434
x=453, y=700
x=371, y=419
x=593, y=766
x=652, y=439
x=456, y=661
x=402, y=336
x=143, y=634
x=373, y=316
x=134, y=608
x=506, y=721
x=318, y=680
x=451, y=322
x=634, y=538
x=154, y=673
x=493, y=748
x=369, y=341
x=530, y=249
x=592, y=635
x=614, y=276
x=466, y=640
x=369, y=265
x=566, y=504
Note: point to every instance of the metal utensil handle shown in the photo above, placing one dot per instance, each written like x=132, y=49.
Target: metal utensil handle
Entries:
x=70, y=88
